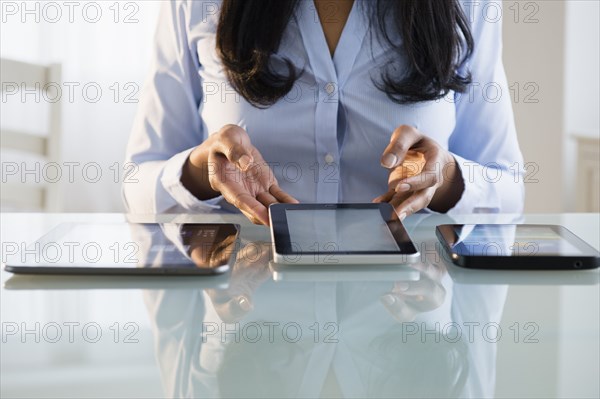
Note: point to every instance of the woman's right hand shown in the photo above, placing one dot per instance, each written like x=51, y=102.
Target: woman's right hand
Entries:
x=228, y=164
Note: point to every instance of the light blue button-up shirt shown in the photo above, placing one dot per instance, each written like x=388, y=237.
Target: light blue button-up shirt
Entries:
x=325, y=138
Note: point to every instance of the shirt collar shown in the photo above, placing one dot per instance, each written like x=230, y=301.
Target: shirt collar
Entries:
x=325, y=68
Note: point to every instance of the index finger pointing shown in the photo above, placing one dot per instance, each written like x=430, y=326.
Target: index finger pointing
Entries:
x=281, y=195
x=246, y=203
x=402, y=139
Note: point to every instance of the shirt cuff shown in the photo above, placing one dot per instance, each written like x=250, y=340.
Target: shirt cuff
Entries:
x=171, y=182
x=479, y=195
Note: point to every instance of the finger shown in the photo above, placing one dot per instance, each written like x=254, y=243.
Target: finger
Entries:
x=200, y=256
x=247, y=254
x=430, y=176
x=281, y=195
x=235, y=145
x=253, y=255
x=397, y=307
x=433, y=271
x=223, y=251
x=259, y=173
x=385, y=197
x=423, y=295
x=220, y=168
x=426, y=268
x=417, y=201
x=250, y=206
x=402, y=139
x=398, y=198
x=234, y=309
x=412, y=164
x=253, y=209
x=418, y=183
x=254, y=218
x=424, y=287
x=395, y=202
x=266, y=199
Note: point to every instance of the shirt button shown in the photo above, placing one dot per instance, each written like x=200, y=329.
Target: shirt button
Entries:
x=329, y=158
x=330, y=88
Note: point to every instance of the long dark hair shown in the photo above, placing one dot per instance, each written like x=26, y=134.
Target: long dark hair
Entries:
x=436, y=43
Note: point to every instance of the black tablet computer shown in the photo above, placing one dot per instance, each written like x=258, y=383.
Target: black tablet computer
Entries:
x=339, y=234
x=128, y=248
x=516, y=246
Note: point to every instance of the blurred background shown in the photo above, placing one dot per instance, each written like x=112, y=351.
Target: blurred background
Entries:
x=95, y=57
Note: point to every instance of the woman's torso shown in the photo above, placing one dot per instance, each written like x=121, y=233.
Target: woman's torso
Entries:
x=323, y=140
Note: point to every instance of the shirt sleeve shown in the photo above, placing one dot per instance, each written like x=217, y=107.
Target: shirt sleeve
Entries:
x=484, y=142
x=167, y=126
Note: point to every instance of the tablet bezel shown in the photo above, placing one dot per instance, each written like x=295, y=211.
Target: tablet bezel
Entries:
x=282, y=245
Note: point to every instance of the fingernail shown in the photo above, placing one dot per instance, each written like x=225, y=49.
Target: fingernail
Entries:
x=251, y=253
x=244, y=161
x=389, y=160
x=388, y=299
x=402, y=216
x=244, y=303
x=402, y=286
x=403, y=187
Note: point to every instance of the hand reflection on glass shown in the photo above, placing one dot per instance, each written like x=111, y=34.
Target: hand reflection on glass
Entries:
x=250, y=270
x=409, y=298
x=208, y=250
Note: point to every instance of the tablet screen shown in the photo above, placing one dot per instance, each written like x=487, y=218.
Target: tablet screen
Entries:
x=341, y=229
x=514, y=240
x=346, y=233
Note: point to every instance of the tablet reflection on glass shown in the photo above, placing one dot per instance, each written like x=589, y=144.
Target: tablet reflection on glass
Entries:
x=184, y=245
x=123, y=248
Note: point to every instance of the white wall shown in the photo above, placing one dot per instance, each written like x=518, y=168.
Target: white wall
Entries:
x=581, y=84
x=582, y=67
x=534, y=60
x=556, y=49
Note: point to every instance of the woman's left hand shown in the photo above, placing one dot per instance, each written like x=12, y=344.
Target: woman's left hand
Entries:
x=435, y=182
x=407, y=299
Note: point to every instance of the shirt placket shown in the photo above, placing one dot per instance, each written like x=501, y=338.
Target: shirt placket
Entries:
x=326, y=168
x=326, y=132
x=330, y=76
